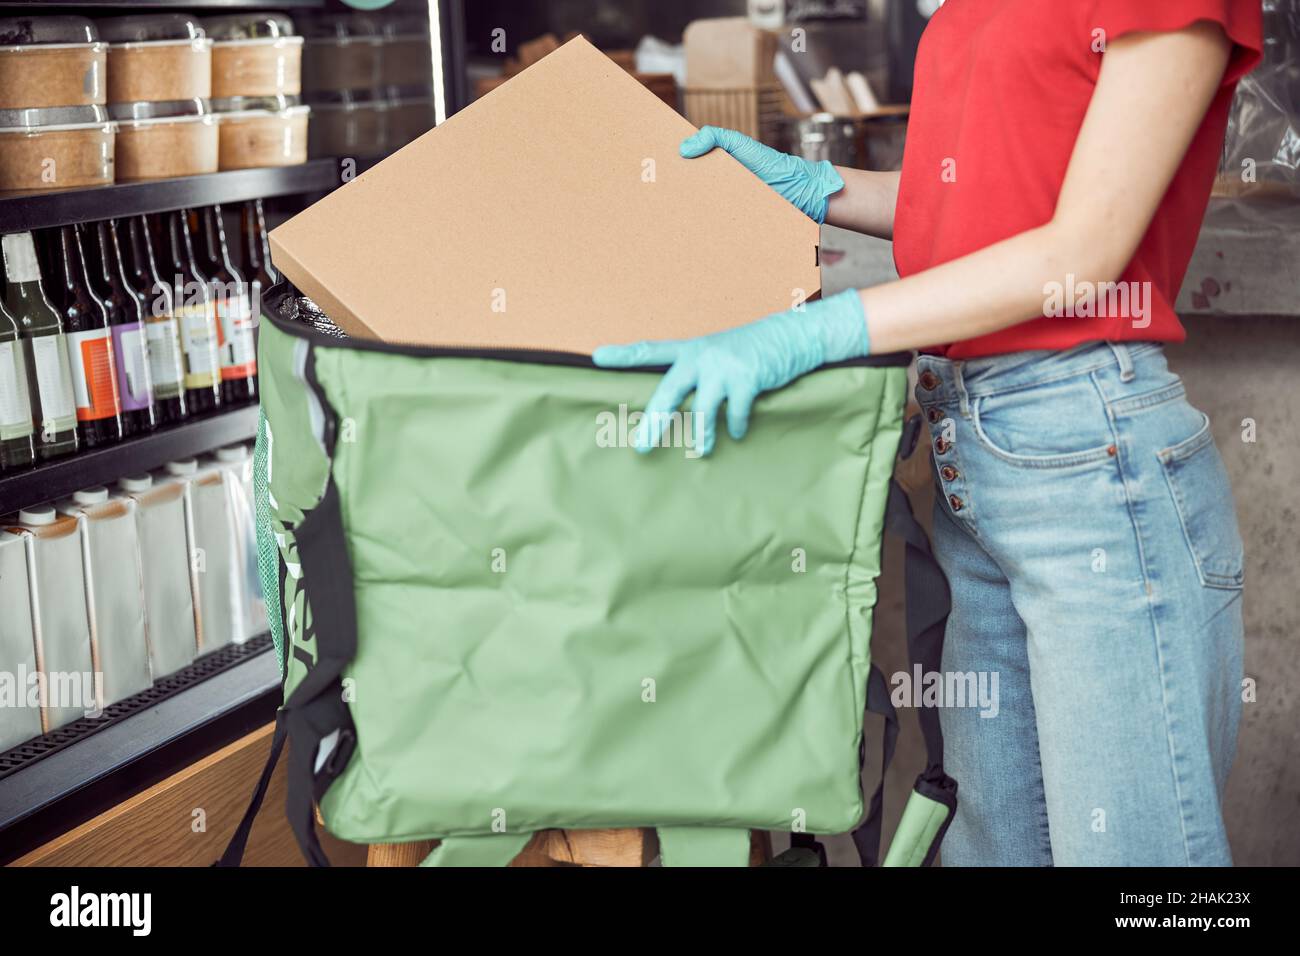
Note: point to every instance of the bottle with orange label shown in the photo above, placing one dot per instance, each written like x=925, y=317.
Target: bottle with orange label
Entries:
x=232, y=293
x=45, y=349
x=90, y=340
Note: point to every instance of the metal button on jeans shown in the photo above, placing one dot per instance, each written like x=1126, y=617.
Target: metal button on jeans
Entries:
x=935, y=414
x=928, y=380
x=956, y=503
x=949, y=473
x=941, y=445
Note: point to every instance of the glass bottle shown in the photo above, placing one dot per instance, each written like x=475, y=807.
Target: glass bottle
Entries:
x=231, y=293
x=16, y=448
x=126, y=318
x=196, y=314
x=166, y=360
x=45, y=349
x=257, y=253
x=86, y=320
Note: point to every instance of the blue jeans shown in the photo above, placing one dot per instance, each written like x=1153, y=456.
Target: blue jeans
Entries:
x=1086, y=526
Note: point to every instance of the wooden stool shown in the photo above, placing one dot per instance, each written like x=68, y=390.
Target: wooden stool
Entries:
x=569, y=848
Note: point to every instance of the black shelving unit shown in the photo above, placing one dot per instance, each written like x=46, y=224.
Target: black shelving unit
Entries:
x=166, y=4
x=104, y=466
x=19, y=213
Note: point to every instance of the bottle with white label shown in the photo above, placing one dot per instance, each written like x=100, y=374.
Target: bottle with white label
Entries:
x=232, y=293
x=196, y=314
x=16, y=448
x=45, y=349
x=166, y=366
x=126, y=323
x=90, y=345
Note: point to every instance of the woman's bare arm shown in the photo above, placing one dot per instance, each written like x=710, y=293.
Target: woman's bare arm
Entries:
x=1152, y=93
x=866, y=203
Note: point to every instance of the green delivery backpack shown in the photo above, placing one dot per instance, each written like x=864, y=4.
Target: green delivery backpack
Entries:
x=493, y=617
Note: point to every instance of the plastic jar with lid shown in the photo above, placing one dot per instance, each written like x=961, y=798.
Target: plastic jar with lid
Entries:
x=162, y=140
x=160, y=57
x=50, y=62
x=254, y=54
x=261, y=131
x=349, y=124
x=341, y=53
x=56, y=148
x=406, y=58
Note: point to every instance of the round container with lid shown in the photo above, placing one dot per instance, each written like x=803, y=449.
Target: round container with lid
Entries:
x=157, y=57
x=50, y=62
x=349, y=124
x=341, y=53
x=254, y=54
x=56, y=148
x=261, y=133
x=410, y=115
x=405, y=58
x=163, y=140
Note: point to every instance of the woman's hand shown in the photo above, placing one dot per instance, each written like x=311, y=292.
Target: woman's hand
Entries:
x=738, y=364
x=801, y=182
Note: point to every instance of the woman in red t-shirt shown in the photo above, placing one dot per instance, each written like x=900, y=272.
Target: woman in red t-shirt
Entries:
x=1058, y=163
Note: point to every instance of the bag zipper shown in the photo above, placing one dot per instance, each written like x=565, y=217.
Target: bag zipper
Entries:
x=526, y=354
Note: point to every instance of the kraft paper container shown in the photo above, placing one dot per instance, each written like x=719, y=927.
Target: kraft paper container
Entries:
x=59, y=148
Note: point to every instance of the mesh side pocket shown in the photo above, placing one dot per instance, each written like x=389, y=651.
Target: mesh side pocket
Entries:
x=268, y=554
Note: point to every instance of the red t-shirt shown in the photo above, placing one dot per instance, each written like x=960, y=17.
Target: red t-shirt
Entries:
x=1000, y=93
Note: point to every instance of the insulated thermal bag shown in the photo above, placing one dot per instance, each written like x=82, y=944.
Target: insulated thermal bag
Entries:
x=493, y=617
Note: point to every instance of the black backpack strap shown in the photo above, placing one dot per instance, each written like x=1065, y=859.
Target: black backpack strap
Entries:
x=234, y=853
x=928, y=602
x=315, y=719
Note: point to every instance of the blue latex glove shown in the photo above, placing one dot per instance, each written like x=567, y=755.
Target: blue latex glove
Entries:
x=803, y=183
x=739, y=363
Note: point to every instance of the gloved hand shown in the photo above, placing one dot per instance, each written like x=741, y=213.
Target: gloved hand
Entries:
x=805, y=184
x=740, y=363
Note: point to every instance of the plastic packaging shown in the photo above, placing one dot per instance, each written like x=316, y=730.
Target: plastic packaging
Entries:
x=22, y=720
x=342, y=52
x=161, y=522
x=50, y=62
x=237, y=463
x=56, y=148
x=157, y=57
x=162, y=140
x=57, y=588
x=217, y=571
x=405, y=57
x=254, y=54
x=1261, y=154
x=408, y=116
x=349, y=124
x=262, y=137
x=110, y=544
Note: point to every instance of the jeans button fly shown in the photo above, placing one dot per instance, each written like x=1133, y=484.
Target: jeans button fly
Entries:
x=949, y=473
x=941, y=445
x=929, y=381
x=935, y=414
x=955, y=502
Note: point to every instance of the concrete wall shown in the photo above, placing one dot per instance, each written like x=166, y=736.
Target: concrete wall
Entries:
x=1234, y=368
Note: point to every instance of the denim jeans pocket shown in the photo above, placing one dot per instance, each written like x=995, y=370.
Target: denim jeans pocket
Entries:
x=1059, y=424
x=1203, y=498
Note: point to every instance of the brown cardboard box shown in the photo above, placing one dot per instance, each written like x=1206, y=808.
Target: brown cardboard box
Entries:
x=554, y=213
